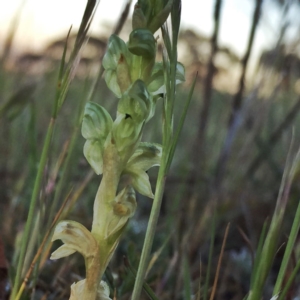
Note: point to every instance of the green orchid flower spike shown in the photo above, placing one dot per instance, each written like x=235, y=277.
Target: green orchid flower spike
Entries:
x=114, y=149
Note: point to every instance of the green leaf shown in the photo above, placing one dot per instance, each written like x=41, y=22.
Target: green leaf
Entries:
x=96, y=125
x=156, y=83
x=117, y=54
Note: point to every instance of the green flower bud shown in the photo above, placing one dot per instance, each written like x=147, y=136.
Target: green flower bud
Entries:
x=142, y=43
x=116, y=62
x=138, y=18
x=162, y=9
x=136, y=102
x=96, y=126
x=156, y=12
x=126, y=132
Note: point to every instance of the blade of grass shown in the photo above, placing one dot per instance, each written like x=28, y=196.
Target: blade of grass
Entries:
x=288, y=252
x=199, y=287
x=211, y=250
x=40, y=250
x=186, y=277
x=181, y=122
x=258, y=252
x=289, y=282
x=62, y=89
x=146, y=287
x=33, y=201
x=270, y=243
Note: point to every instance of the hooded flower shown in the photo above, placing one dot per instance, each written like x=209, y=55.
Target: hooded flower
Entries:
x=75, y=238
x=96, y=125
x=117, y=62
x=146, y=156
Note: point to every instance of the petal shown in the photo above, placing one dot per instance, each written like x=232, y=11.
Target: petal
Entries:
x=62, y=251
x=141, y=182
x=146, y=156
x=76, y=238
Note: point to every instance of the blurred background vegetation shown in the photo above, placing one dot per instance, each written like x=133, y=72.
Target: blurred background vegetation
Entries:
x=230, y=158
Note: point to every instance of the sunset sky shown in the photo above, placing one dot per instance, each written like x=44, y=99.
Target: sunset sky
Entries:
x=42, y=21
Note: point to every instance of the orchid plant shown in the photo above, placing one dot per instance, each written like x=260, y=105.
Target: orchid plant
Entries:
x=114, y=148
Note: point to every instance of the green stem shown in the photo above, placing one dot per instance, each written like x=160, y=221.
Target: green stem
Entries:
x=34, y=197
x=149, y=234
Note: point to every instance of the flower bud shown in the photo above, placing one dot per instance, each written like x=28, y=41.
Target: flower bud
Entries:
x=135, y=104
x=142, y=43
x=116, y=62
x=96, y=126
x=138, y=18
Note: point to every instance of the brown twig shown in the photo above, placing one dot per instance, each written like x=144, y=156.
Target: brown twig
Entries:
x=41, y=247
x=214, y=288
x=274, y=138
x=237, y=100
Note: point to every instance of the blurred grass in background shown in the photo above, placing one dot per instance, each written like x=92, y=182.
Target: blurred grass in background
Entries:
x=230, y=158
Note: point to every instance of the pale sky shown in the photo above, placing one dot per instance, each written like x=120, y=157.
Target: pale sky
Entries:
x=43, y=20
